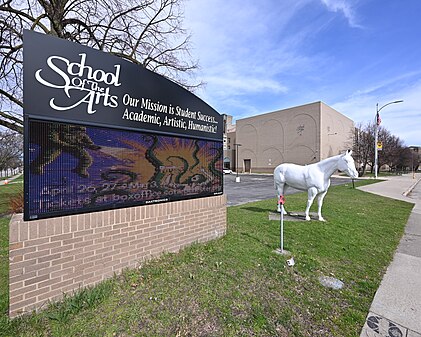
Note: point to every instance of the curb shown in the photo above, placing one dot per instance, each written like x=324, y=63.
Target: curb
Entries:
x=409, y=190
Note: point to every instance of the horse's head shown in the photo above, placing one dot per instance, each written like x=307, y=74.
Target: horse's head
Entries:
x=346, y=164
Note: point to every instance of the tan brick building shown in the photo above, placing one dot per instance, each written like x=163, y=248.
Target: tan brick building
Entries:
x=302, y=135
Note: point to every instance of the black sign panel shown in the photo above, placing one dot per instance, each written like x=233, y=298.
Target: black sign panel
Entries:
x=66, y=81
x=103, y=133
x=74, y=169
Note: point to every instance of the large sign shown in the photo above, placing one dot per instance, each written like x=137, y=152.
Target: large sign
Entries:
x=103, y=133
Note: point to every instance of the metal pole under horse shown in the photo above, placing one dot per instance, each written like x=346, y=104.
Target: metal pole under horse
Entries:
x=282, y=229
x=281, y=250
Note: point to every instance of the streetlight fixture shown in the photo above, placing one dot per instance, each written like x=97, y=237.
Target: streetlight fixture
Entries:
x=376, y=134
x=237, y=178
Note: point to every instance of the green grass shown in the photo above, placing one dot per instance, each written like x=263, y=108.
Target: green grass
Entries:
x=4, y=268
x=368, y=174
x=237, y=286
x=8, y=191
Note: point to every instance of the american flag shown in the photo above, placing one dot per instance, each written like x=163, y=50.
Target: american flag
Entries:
x=378, y=119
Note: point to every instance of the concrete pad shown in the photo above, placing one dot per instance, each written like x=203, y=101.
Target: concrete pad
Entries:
x=299, y=216
x=378, y=326
x=399, y=297
x=282, y=252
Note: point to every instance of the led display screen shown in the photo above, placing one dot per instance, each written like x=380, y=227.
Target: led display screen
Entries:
x=75, y=169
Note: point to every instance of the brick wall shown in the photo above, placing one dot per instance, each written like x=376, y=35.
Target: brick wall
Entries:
x=53, y=256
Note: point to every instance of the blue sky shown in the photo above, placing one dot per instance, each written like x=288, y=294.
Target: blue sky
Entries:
x=262, y=56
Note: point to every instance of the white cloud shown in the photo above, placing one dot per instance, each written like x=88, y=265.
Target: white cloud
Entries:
x=403, y=119
x=246, y=47
x=389, y=83
x=345, y=7
x=244, y=85
x=257, y=57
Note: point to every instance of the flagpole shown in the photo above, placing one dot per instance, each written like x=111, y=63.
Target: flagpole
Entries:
x=376, y=134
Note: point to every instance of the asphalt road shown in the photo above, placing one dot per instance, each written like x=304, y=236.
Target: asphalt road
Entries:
x=255, y=187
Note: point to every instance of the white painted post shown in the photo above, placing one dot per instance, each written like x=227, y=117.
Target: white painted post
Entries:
x=282, y=229
x=281, y=225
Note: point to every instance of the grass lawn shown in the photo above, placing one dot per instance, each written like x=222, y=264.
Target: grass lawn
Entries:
x=6, y=192
x=237, y=286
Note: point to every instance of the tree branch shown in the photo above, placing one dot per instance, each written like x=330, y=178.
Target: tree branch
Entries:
x=11, y=97
x=25, y=15
x=10, y=125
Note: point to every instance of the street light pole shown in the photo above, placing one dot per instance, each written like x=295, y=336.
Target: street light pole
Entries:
x=376, y=134
x=237, y=178
x=413, y=150
x=413, y=172
x=376, y=139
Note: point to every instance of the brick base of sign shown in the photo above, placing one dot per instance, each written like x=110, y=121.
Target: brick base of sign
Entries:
x=51, y=257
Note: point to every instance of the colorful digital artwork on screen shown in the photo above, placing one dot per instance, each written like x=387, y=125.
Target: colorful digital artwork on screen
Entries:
x=74, y=168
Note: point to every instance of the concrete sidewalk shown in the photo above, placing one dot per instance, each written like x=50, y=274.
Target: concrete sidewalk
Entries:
x=10, y=179
x=396, y=307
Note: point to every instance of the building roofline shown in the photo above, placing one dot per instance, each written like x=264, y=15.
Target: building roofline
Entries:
x=320, y=103
x=276, y=111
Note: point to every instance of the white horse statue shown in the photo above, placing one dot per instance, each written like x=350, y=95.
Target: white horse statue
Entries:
x=315, y=178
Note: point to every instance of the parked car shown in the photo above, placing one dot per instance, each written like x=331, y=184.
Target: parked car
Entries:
x=227, y=171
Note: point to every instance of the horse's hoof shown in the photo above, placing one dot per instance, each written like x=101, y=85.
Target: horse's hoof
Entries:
x=322, y=219
x=308, y=218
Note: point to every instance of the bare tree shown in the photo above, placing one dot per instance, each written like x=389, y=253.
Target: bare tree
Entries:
x=11, y=147
x=413, y=157
x=145, y=32
x=394, y=154
x=363, y=148
x=392, y=148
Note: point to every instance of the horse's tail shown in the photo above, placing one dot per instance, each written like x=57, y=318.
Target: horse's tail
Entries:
x=277, y=170
x=276, y=175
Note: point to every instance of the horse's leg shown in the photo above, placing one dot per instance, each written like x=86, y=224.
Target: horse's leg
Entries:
x=285, y=192
x=279, y=186
x=279, y=192
x=320, y=198
x=312, y=192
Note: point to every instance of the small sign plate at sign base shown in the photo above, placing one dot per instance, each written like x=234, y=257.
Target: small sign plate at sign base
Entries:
x=378, y=326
